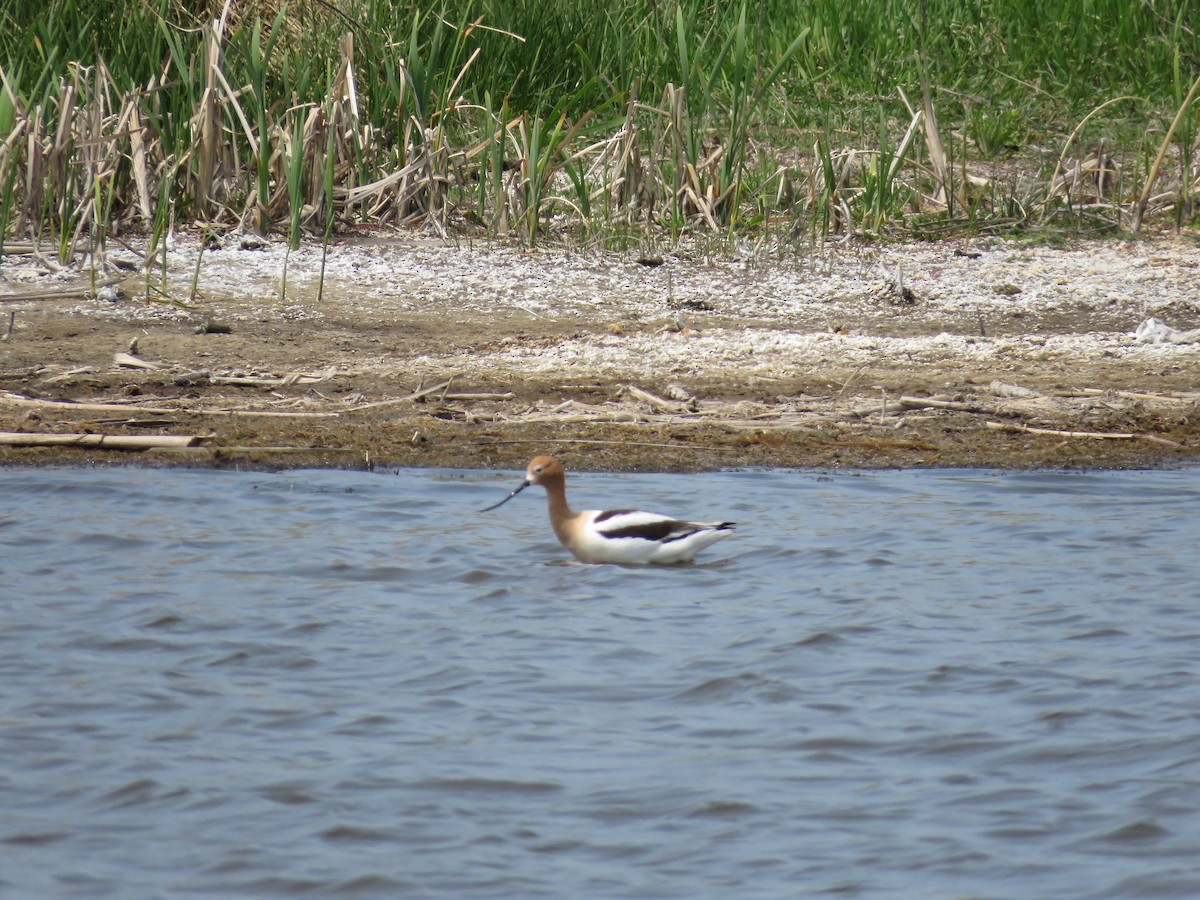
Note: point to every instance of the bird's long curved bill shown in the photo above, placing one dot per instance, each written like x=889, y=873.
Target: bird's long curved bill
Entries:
x=524, y=484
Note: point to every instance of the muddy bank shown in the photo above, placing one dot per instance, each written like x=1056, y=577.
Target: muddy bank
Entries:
x=424, y=352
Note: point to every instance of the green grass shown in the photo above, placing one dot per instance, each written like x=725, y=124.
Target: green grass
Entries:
x=594, y=120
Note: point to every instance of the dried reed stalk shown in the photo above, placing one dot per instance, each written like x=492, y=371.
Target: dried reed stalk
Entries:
x=1139, y=208
x=102, y=441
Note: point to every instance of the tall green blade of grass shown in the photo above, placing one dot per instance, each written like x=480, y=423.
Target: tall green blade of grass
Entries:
x=9, y=136
x=293, y=162
x=160, y=229
x=256, y=57
x=327, y=207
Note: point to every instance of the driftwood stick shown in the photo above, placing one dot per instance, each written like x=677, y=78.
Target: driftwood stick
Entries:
x=780, y=424
x=1167, y=442
x=129, y=361
x=73, y=292
x=272, y=381
x=930, y=403
x=846, y=384
x=657, y=402
x=1092, y=435
x=245, y=381
x=130, y=422
x=1056, y=432
x=1129, y=395
x=414, y=396
x=876, y=409
x=18, y=400
x=103, y=441
x=507, y=395
x=264, y=413
x=615, y=418
x=67, y=375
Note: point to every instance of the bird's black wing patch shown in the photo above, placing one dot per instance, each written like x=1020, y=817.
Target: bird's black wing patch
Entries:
x=656, y=530
x=609, y=513
x=653, y=528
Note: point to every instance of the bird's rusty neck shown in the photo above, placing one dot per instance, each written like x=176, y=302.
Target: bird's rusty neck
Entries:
x=556, y=498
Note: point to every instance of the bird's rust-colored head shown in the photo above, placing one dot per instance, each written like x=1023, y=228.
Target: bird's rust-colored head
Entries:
x=542, y=470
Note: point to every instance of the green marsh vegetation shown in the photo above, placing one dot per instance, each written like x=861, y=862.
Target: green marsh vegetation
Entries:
x=609, y=123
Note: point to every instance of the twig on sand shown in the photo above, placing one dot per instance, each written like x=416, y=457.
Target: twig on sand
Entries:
x=18, y=400
x=73, y=292
x=955, y=406
x=129, y=361
x=103, y=441
x=294, y=378
x=846, y=384
x=1130, y=395
x=507, y=395
x=1087, y=435
x=414, y=396
x=657, y=402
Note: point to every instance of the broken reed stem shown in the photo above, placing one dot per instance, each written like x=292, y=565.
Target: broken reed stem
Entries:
x=1084, y=435
x=103, y=441
x=17, y=400
x=415, y=395
x=1139, y=208
x=954, y=406
x=66, y=293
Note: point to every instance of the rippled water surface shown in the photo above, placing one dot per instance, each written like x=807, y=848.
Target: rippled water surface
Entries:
x=895, y=684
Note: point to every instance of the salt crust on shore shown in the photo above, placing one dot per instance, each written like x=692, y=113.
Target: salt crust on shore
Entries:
x=763, y=314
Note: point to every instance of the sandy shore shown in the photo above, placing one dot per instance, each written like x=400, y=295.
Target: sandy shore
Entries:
x=426, y=352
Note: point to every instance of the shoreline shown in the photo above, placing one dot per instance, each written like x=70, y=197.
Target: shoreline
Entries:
x=980, y=353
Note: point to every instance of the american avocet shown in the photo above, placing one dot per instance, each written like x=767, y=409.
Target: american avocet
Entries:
x=616, y=535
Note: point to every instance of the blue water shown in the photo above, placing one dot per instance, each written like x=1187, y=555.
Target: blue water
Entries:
x=894, y=684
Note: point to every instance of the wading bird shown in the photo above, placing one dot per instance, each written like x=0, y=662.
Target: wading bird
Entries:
x=616, y=535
